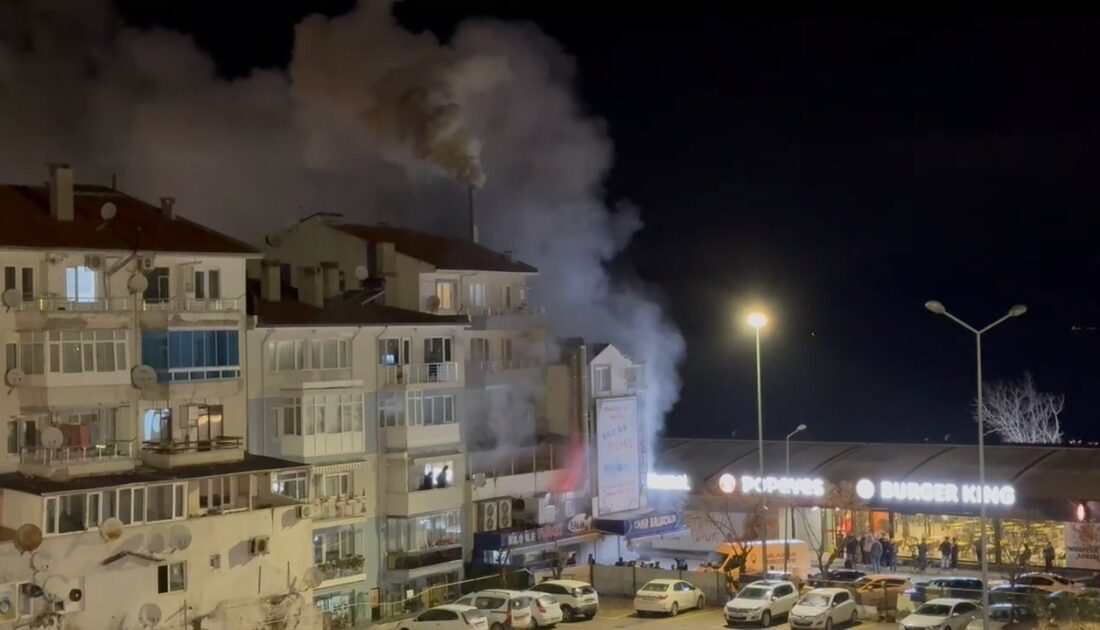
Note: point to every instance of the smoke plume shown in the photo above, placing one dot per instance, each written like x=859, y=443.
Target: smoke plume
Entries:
x=369, y=120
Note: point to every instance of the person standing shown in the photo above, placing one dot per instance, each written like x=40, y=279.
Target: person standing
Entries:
x=945, y=553
x=876, y=555
x=1048, y=557
x=922, y=555
x=865, y=548
x=1025, y=556
x=954, y=554
x=893, y=563
x=851, y=549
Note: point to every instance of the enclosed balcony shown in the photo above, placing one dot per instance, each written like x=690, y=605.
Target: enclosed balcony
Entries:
x=424, y=544
x=520, y=317
x=424, y=485
x=422, y=373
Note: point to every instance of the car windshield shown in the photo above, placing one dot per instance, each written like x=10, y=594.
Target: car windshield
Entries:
x=816, y=600
x=655, y=587
x=753, y=592
x=934, y=610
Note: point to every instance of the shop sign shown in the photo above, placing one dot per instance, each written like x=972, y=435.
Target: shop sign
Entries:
x=658, y=481
x=546, y=533
x=935, y=492
x=788, y=486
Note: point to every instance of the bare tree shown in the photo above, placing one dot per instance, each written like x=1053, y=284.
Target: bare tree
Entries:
x=1020, y=414
x=737, y=522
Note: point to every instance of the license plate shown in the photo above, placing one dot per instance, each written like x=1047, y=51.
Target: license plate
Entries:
x=589, y=600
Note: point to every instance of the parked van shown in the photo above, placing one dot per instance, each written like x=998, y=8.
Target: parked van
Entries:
x=724, y=558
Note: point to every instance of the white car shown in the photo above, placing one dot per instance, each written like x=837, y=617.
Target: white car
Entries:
x=545, y=610
x=667, y=596
x=577, y=599
x=824, y=608
x=1049, y=582
x=448, y=617
x=941, y=614
x=1006, y=615
x=502, y=608
x=761, y=601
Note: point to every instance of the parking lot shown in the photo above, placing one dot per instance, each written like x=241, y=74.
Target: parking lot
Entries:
x=619, y=613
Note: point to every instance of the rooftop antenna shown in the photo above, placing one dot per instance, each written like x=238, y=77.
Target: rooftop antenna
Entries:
x=473, y=214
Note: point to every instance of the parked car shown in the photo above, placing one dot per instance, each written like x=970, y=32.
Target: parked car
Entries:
x=944, y=613
x=667, y=596
x=1007, y=617
x=835, y=577
x=1049, y=582
x=545, y=610
x=1068, y=606
x=761, y=601
x=1017, y=594
x=502, y=608
x=448, y=617
x=578, y=599
x=824, y=608
x=959, y=587
x=880, y=590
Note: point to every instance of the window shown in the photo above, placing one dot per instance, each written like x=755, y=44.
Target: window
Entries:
x=217, y=492
x=81, y=284
x=157, y=425
x=157, y=289
x=477, y=295
x=27, y=289
x=287, y=356
x=439, y=409
x=437, y=350
x=76, y=352
x=68, y=513
x=334, y=413
x=445, y=290
x=172, y=577
x=182, y=355
x=337, y=485
x=840, y=598
x=508, y=296
x=32, y=353
x=165, y=502
x=21, y=280
x=292, y=417
x=331, y=546
x=633, y=377
x=9, y=279
x=432, y=472
x=292, y=484
x=329, y=354
x=208, y=285
x=479, y=349
x=505, y=349
x=126, y=504
x=601, y=379
x=393, y=351
x=414, y=407
x=422, y=533
x=390, y=411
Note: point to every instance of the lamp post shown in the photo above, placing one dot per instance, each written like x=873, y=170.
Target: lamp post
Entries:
x=789, y=516
x=1015, y=311
x=758, y=320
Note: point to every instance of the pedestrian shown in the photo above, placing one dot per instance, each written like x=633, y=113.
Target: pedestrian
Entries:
x=893, y=563
x=852, y=552
x=1048, y=557
x=1025, y=556
x=945, y=553
x=591, y=559
x=876, y=555
x=978, y=551
x=955, y=554
x=885, y=542
x=865, y=548
x=922, y=555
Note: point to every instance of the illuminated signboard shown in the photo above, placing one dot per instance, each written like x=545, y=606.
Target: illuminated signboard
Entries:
x=658, y=481
x=787, y=486
x=935, y=492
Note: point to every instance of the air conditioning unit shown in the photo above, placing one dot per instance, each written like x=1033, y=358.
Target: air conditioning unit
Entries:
x=504, y=513
x=260, y=545
x=93, y=262
x=489, y=516
x=305, y=511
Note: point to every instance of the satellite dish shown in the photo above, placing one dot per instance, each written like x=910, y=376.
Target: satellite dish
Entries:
x=432, y=303
x=12, y=298
x=313, y=577
x=149, y=615
x=15, y=377
x=179, y=538
x=137, y=283
x=28, y=538
x=56, y=588
x=158, y=541
x=143, y=376
x=52, y=437
x=41, y=562
x=361, y=272
x=107, y=211
x=111, y=528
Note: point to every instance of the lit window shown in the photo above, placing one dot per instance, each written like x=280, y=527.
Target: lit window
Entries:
x=445, y=290
x=293, y=484
x=80, y=284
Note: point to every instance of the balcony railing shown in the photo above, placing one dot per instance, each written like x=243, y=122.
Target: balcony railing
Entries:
x=221, y=443
x=348, y=566
x=52, y=303
x=192, y=305
x=115, y=449
x=402, y=560
x=416, y=373
x=520, y=460
x=340, y=507
x=498, y=311
x=495, y=367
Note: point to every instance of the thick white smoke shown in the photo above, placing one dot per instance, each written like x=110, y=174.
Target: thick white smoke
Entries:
x=369, y=120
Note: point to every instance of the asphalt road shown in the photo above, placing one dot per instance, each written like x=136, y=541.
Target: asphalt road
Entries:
x=619, y=613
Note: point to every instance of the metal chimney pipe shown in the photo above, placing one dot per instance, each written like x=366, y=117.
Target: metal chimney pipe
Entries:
x=473, y=215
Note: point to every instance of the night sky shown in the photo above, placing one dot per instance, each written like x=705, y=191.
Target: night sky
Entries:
x=841, y=167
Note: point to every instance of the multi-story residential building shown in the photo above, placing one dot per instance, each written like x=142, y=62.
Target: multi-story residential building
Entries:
x=371, y=397
x=124, y=468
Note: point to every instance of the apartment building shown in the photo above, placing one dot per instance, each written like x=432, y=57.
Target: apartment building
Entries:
x=372, y=397
x=124, y=417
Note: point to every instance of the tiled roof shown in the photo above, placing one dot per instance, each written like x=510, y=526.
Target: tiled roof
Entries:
x=25, y=221
x=439, y=251
x=349, y=312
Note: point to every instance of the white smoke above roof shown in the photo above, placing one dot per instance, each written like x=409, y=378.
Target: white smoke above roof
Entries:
x=369, y=120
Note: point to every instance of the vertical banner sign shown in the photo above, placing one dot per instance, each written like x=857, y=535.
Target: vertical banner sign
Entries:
x=618, y=453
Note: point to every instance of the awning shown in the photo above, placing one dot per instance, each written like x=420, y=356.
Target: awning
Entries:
x=639, y=525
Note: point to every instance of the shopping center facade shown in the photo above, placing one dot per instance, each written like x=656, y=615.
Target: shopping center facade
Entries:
x=1033, y=494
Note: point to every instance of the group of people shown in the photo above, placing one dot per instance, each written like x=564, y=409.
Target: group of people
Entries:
x=879, y=553
x=680, y=564
x=440, y=480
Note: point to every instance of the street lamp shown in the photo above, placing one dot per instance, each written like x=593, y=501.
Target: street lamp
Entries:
x=790, y=513
x=758, y=320
x=1015, y=311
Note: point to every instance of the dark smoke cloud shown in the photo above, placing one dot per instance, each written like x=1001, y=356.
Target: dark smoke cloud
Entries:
x=369, y=120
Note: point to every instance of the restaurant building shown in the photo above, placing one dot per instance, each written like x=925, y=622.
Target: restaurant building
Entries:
x=1034, y=494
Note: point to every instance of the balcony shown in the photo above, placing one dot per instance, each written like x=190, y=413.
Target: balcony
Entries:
x=504, y=317
x=189, y=453
x=340, y=571
x=481, y=373
x=423, y=501
x=421, y=373
x=109, y=457
x=409, y=560
x=342, y=509
x=403, y=438
x=192, y=305
x=53, y=304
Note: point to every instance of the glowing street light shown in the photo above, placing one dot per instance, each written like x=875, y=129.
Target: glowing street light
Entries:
x=1015, y=311
x=758, y=320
